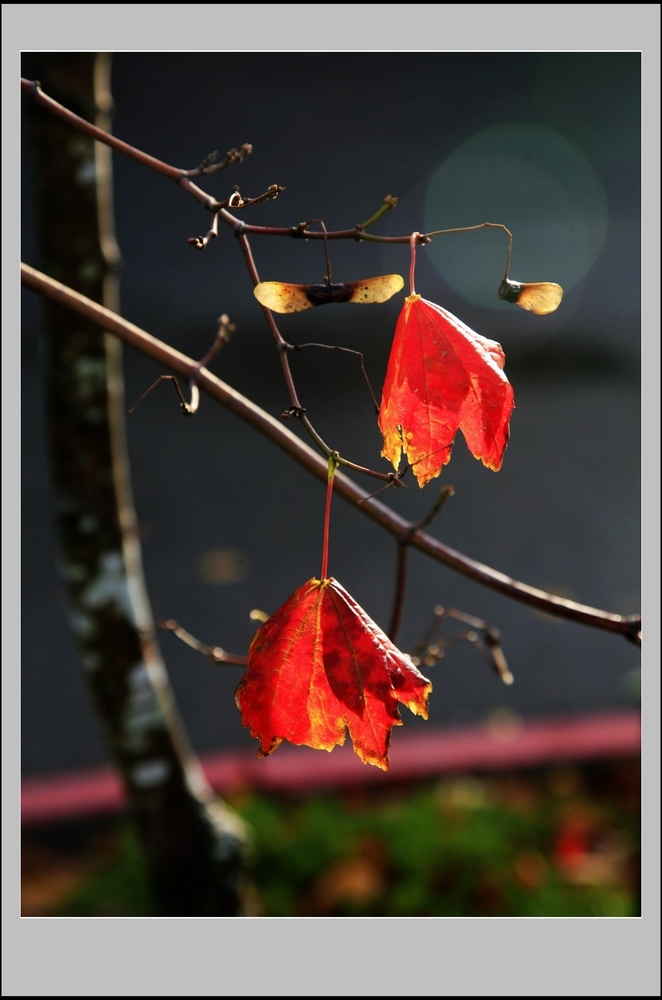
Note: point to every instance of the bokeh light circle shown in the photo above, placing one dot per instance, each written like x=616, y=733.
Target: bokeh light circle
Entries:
x=533, y=181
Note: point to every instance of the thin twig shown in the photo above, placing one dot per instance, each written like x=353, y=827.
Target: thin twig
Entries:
x=225, y=331
x=355, y=233
x=388, y=203
x=303, y=228
x=187, y=408
x=429, y=652
x=473, y=229
x=396, y=480
x=401, y=570
x=425, y=640
x=237, y=201
x=215, y=654
x=626, y=625
x=200, y=242
x=347, y=350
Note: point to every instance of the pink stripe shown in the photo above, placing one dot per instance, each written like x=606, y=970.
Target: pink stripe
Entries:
x=413, y=755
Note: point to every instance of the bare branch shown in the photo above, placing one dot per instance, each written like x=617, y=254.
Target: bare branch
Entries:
x=81, y=125
x=183, y=178
x=75, y=121
x=626, y=625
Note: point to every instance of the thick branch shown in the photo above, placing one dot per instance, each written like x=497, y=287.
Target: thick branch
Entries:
x=627, y=625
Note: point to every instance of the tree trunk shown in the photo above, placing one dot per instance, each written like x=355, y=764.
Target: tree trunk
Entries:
x=192, y=843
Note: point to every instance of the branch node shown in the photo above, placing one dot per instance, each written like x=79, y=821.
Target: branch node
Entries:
x=396, y=479
x=294, y=411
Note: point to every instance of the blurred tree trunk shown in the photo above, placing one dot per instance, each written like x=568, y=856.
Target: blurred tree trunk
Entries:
x=192, y=843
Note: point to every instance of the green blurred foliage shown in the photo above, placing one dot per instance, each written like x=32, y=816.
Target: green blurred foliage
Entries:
x=558, y=842
x=117, y=887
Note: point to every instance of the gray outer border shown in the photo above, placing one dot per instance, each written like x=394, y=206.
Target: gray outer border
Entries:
x=431, y=957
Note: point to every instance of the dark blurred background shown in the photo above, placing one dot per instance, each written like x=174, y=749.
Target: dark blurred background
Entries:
x=548, y=144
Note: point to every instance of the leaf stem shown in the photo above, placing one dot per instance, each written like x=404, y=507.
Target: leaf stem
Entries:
x=412, y=267
x=472, y=229
x=332, y=465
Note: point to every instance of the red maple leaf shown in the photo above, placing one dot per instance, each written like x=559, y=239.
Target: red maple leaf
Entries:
x=319, y=665
x=442, y=376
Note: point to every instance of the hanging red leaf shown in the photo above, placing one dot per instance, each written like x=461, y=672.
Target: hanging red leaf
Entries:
x=319, y=665
x=442, y=376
